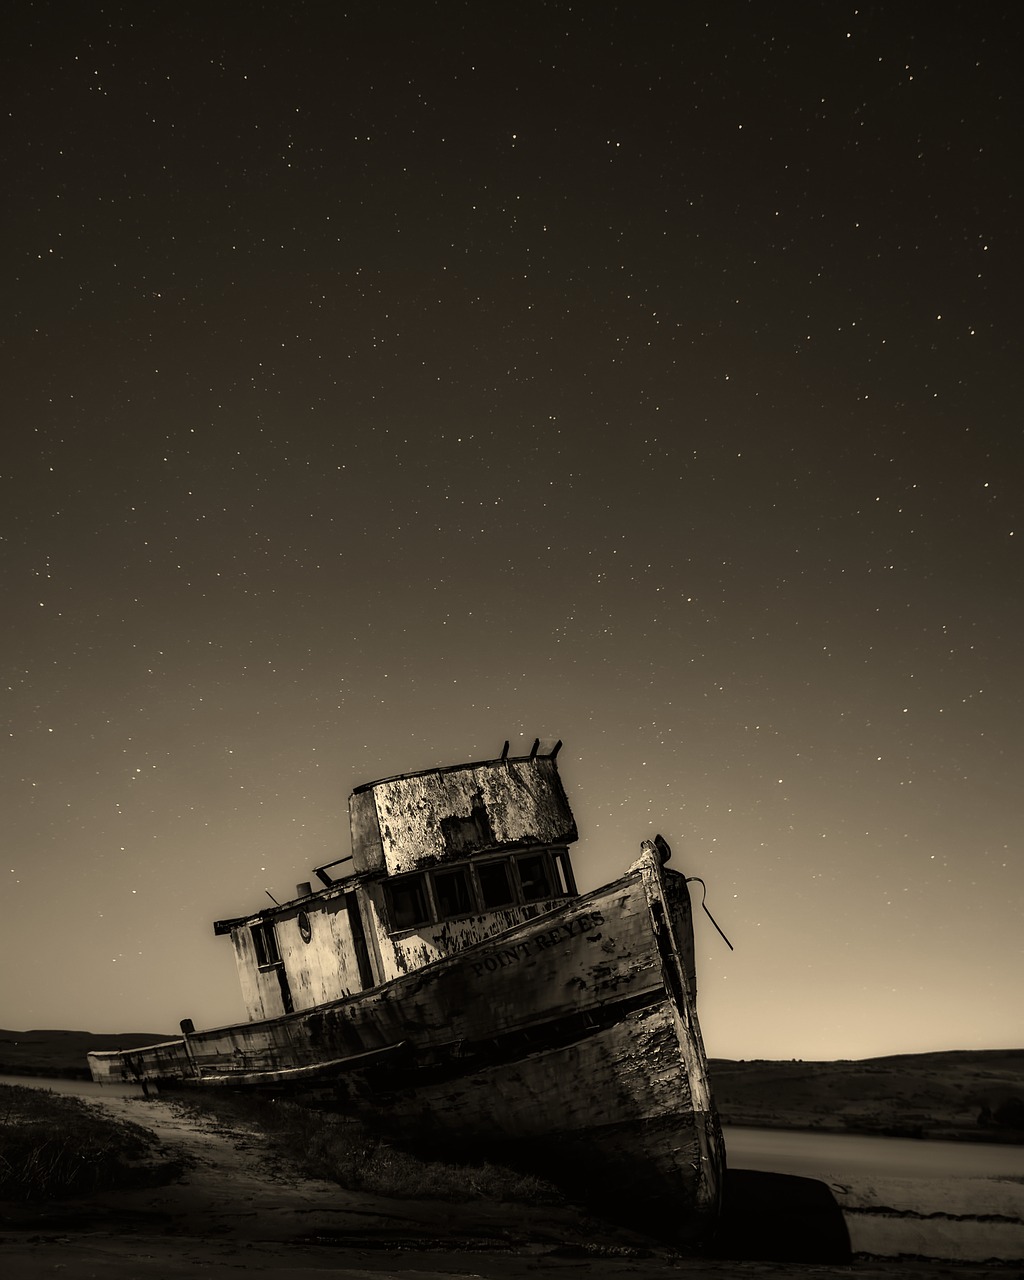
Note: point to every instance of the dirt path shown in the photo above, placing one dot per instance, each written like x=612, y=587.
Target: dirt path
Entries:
x=238, y=1209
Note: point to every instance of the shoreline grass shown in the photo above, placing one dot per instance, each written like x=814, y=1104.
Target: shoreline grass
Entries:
x=56, y=1145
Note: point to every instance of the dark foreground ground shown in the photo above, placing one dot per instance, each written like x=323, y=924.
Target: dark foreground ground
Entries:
x=237, y=1207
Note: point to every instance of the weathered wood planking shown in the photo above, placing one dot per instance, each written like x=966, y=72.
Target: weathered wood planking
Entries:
x=400, y=954
x=564, y=962
x=609, y=1112
x=440, y=990
x=597, y=948
x=557, y=978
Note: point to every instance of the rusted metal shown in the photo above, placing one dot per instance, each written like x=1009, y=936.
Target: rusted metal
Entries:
x=422, y=819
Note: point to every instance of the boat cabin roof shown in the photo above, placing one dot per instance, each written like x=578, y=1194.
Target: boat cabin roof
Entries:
x=414, y=821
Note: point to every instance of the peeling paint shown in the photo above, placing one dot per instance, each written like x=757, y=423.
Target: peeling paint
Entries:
x=568, y=1022
x=426, y=819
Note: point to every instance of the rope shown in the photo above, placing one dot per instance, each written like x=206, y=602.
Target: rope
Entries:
x=704, y=904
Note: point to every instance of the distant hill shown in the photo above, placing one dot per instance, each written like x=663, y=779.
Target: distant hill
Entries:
x=61, y=1053
x=974, y=1094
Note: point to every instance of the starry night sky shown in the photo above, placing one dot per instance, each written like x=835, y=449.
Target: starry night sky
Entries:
x=383, y=381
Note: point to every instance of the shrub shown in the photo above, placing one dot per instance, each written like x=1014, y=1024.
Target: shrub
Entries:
x=1009, y=1114
x=54, y=1145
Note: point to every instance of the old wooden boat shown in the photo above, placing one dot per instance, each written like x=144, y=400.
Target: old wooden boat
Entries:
x=447, y=981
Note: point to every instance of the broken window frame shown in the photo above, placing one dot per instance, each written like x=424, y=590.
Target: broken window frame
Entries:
x=563, y=872
x=488, y=865
x=546, y=881
x=415, y=881
x=458, y=900
x=264, y=942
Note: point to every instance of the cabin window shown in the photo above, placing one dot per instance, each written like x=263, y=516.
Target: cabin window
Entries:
x=534, y=877
x=422, y=898
x=451, y=891
x=563, y=872
x=407, y=902
x=495, y=885
x=264, y=942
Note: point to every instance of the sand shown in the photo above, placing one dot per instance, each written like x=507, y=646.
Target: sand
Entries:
x=238, y=1209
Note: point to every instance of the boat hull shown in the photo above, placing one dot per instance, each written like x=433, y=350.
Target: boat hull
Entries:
x=609, y=1114
x=570, y=1042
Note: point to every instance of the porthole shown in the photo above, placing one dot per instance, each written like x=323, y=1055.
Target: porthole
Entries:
x=304, y=927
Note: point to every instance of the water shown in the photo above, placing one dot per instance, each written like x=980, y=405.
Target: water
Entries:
x=81, y=1088
x=833, y=1156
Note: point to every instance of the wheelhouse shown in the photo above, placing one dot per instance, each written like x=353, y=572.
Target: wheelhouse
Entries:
x=441, y=859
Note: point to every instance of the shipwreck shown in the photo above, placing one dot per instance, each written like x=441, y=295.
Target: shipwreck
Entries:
x=448, y=983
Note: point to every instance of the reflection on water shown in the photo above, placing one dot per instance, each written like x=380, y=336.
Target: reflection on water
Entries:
x=833, y=1155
